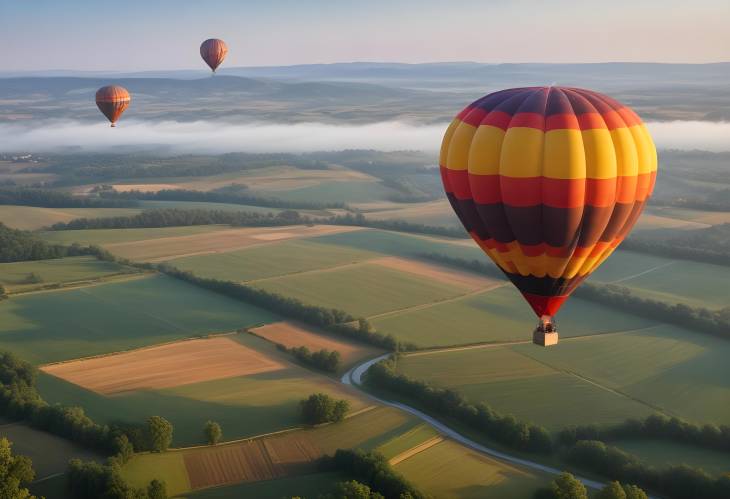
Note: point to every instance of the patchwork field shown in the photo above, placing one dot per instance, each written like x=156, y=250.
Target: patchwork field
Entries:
x=165, y=366
x=63, y=325
x=229, y=239
x=276, y=456
x=446, y=275
x=293, y=335
x=362, y=290
x=261, y=262
x=515, y=384
x=33, y=218
x=50, y=454
x=25, y=276
x=244, y=406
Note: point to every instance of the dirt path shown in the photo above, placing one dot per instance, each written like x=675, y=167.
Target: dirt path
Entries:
x=415, y=450
x=628, y=278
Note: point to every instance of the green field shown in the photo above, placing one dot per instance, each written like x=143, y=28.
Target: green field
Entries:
x=515, y=384
x=499, y=315
x=166, y=466
x=50, y=454
x=60, y=325
x=676, y=281
x=407, y=440
x=112, y=236
x=17, y=277
x=681, y=372
x=244, y=406
x=362, y=290
x=33, y=218
x=661, y=453
x=271, y=260
x=351, y=191
x=448, y=470
x=305, y=486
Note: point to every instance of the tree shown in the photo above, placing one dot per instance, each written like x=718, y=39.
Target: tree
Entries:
x=157, y=490
x=353, y=490
x=15, y=471
x=634, y=492
x=321, y=408
x=159, y=431
x=124, y=449
x=613, y=490
x=566, y=486
x=33, y=278
x=213, y=432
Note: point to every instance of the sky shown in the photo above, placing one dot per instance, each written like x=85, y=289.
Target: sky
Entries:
x=130, y=35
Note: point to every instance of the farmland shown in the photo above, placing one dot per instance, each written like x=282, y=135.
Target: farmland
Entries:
x=244, y=405
x=362, y=290
x=293, y=335
x=62, y=325
x=34, y=218
x=114, y=236
x=25, y=276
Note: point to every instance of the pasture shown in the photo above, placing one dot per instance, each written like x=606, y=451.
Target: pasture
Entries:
x=34, y=218
x=513, y=383
x=228, y=239
x=662, y=453
x=362, y=289
x=50, y=454
x=244, y=406
x=62, y=325
x=293, y=335
x=448, y=470
x=306, y=486
x=498, y=315
x=164, y=366
x=103, y=237
x=24, y=276
x=287, y=257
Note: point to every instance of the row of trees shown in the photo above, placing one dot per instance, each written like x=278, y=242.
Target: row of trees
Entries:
x=16, y=472
x=91, y=480
x=566, y=486
x=655, y=426
x=330, y=319
x=675, y=482
x=505, y=429
x=708, y=245
x=230, y=196
x=716, y=322
x=320, y=408
x=46, y=198
x=19, y=246
x=372, y=469
x=324, y=360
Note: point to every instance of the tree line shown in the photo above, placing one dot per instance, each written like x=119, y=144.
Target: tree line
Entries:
x=709, y=245
x=19, y=246
x=505, y=429
x=372, y=469
x=675, y=482
x=655, y=426
x=46, y=198
x=324, y=360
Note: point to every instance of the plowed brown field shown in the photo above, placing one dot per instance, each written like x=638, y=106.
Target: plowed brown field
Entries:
x=165, y=366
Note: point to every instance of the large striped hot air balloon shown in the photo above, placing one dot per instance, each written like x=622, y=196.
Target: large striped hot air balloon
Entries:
x=213, y=51
x=548, y=181
x=112, y=100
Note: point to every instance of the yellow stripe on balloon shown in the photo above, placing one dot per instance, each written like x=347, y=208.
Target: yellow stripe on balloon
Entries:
x=446, y=142
x=485, y=151
x=522, y=152
x=458, y=156
x=564, y=154
x=600, y=153
x=627, y=159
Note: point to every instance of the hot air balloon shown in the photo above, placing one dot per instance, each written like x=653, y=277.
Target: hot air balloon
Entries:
x=548, y=181
x=112, y=100
x=213, y=51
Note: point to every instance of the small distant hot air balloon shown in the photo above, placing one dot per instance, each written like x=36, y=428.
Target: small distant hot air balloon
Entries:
x=213, y=51
x=112, y=100
x=548, y=181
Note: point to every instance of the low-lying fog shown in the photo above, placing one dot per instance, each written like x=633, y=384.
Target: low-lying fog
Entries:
x=211, y=137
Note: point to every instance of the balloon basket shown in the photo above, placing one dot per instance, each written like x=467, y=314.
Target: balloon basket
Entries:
x=544, y=339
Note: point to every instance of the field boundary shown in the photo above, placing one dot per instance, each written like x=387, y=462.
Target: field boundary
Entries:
x=89, y=283
x=416, y=450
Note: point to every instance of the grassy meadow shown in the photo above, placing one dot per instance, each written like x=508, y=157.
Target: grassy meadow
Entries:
x=59, y=325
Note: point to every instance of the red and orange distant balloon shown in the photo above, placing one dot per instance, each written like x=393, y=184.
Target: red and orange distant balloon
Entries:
x=213, y=51
x=112, y=101
x=548, y=181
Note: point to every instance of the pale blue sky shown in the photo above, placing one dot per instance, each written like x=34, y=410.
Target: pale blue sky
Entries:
x=165, y=34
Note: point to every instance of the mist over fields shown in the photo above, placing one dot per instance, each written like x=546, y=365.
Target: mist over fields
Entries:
x=211, y=137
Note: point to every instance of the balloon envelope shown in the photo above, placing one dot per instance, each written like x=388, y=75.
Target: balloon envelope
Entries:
x=548, y=181
x=112, y=100
x=213, y=51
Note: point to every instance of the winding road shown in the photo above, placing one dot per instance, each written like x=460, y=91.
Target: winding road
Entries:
x=353, y=377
